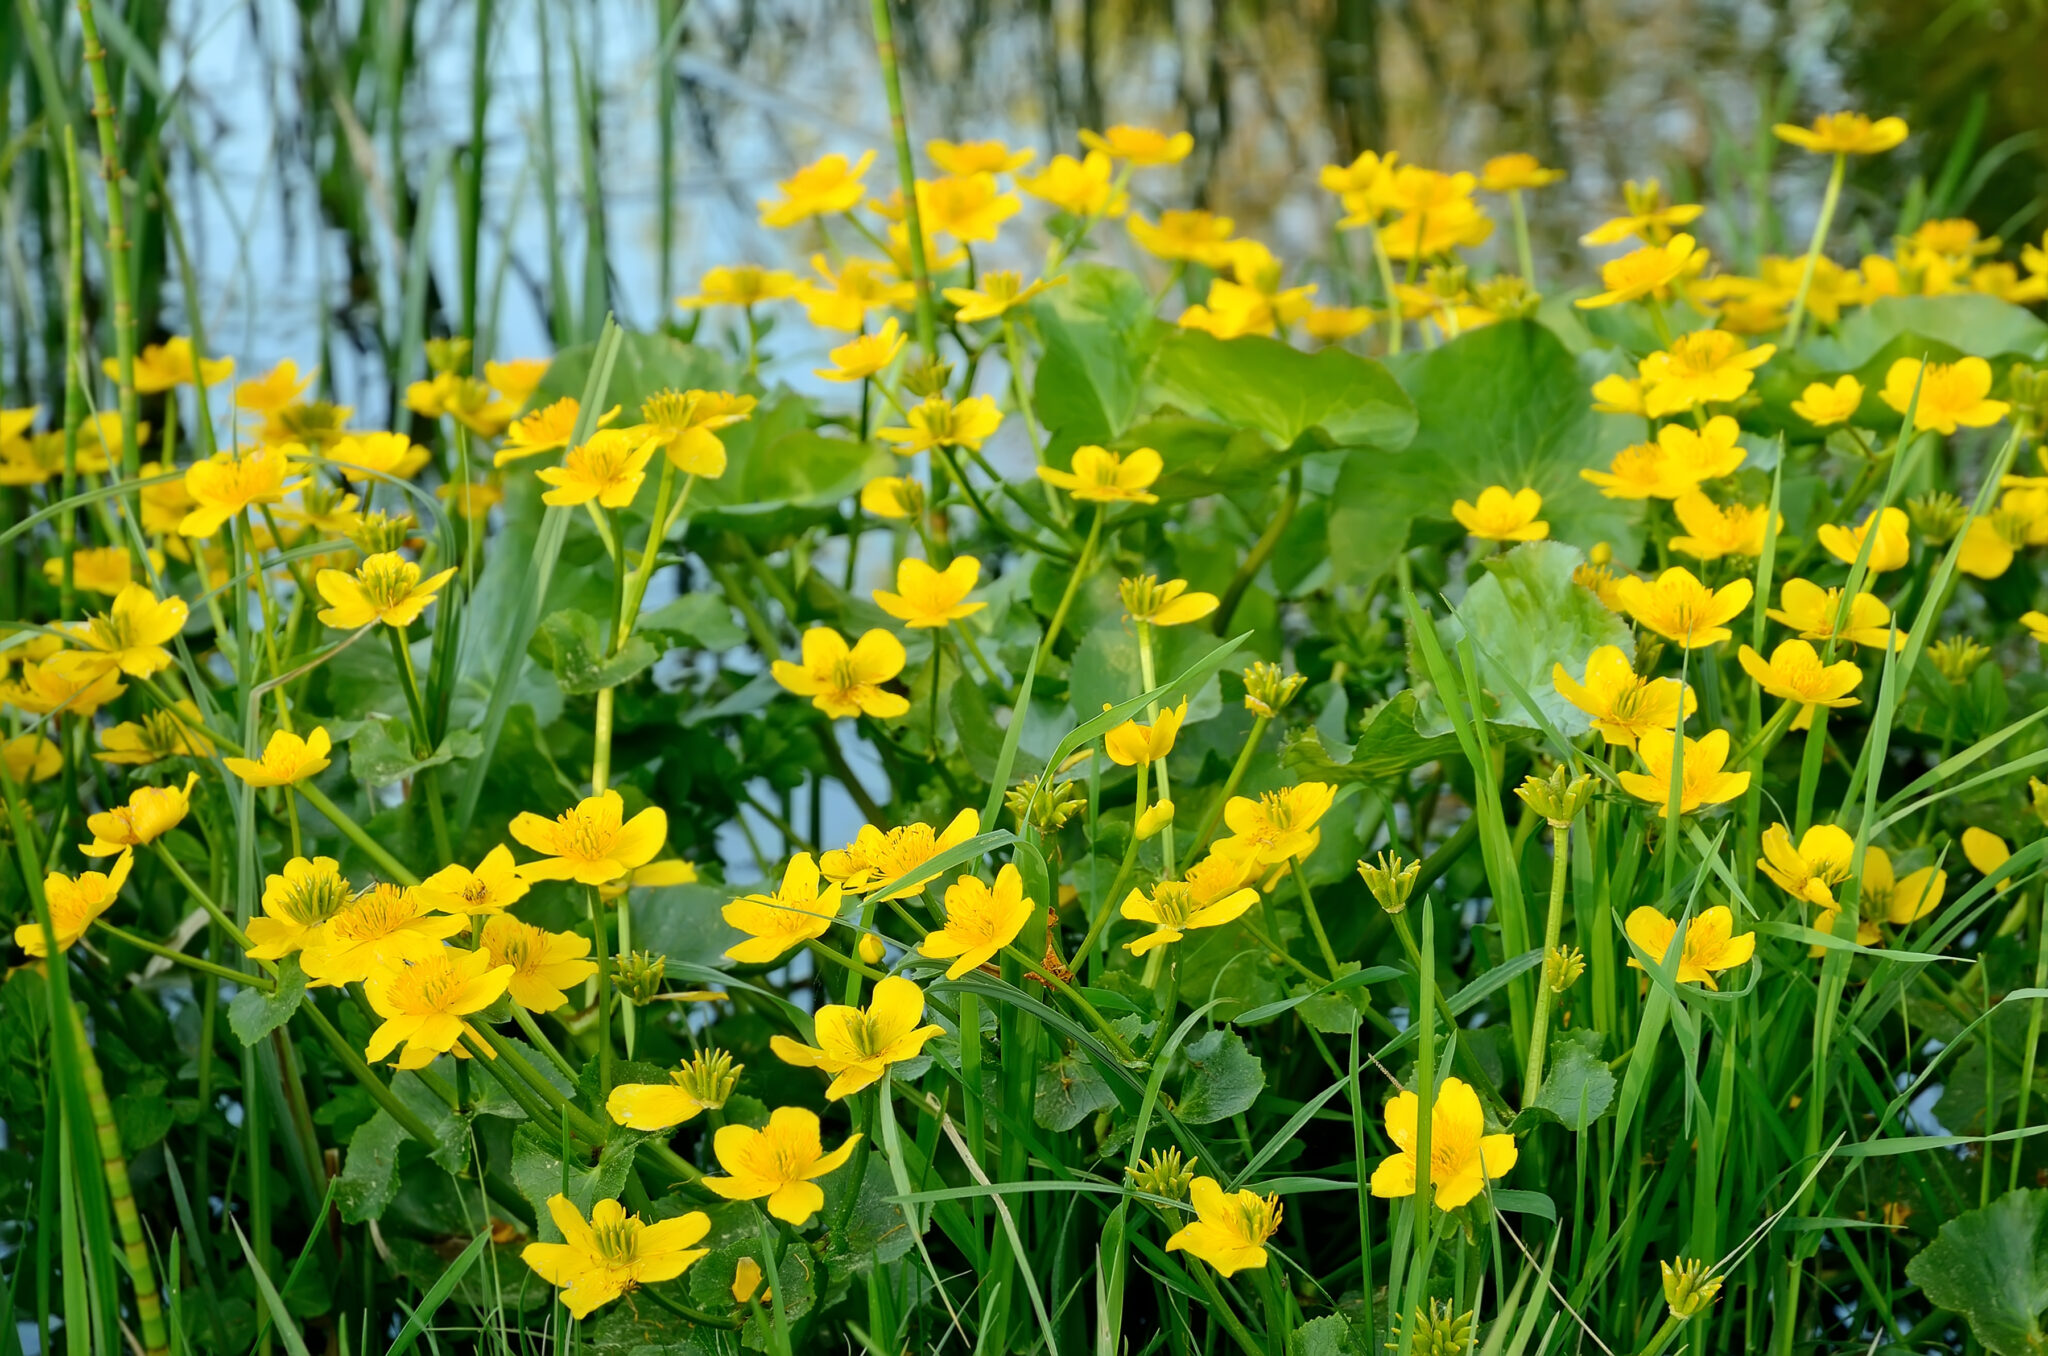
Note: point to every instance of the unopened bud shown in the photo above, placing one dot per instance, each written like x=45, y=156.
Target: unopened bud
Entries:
x=376, y=533
x=1162, y=1173
x=1268, y=689
x=1447, y=281
x=1649, y=649
x=1689, y=1287
x=1957, y=658
x=2027, y=388
x=1156, y=817
x=871, y=948
x=1562, y=966
x=1936, y=517
x=927, y=377
x=1442, y=1331
x=1508, y=296
x=638, y=975
x=1390, y=880
x=448, y=355
x=1558, y=797
x=1047, y=812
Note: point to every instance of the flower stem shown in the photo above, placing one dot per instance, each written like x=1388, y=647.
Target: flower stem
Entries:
x=540, y=1041
x=355, y=833
x=1315, y=920
x=1059, y=616
x=205, y=967
x=601, y=944
x=1230, y=784
x=906, y=176
x=1814, y=247
x=1553, y=931
x=204, y=900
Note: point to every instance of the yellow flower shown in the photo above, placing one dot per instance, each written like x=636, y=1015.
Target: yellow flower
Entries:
x=385, y=588
x=1230, y=1228
x=857, y=1045
x=1648, y=218
x=1811, y=870
x=1335, y=324
x=1985, y=851
x=48, y=687
x=99, y=569
x=378, y=929
x=493, y=887
x=33, y=758
x=1950, y=394
x=1810, y=610
x=1437, y=213
x=860, y=286
x=740, y=285
x=1624, y=705
x=781, y=1161
x=1515, y=171
x=1501, y=516
x=845, y=681
x=1644, y=471
x=539, y=965
x=705, y=1082
x=1707, y=366
x=287, y=759
x=939, y=422
x=1647, y=272
x=1710, y=945
x=280, y=386
x=1130, y=743
x=685, y=424
x=423, y=1003
x=867, y=355
x=976, y=157
x=980, y=921
x=894, y=497
x=998, y=293
x=1679, y=607
x=875, y=858
x=74, y=903
x=1463, y=1158
x=466, y=400
x=1795, y=673
x=2019, y=521
x=825, y=187
x=592, y=843
x=1844, y=134
x=159, y=367
x=1210, y=893
x=225, y=484
x=964, y=206
x=1617, y=394
x=1193, y=237
x=927, y=598
x=1142, y=146
x=746, y=1281
x=1147, y=600
x=613, y=1253
x=1251, y=300
x=1279, y=826
x=2036, y=624
x=1823, y=405
x=392, y=454
x=295, y=904
x=1355, y=183
x=517, y=379
x=547, y=429
x=607, y=468
x=1704, y=781
x=129, y=636
x=151, y=812
x=796, y=913
x=1712, y=531
x=1084, y=188
x=1889, y=552
x=1103, y=477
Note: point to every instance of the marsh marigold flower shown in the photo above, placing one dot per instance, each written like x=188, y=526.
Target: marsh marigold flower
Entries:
x=539, y=965
x=781, y=1161
x=875, y=858
x=225, y=484
x=1514, y=172
x=858, y=359
x=1210, y=893
x=1084, y=188
x=1823, y=405
x=964, y=206
x=939, y=422
x=128, y=637
x=174, y=362
x=1704, y=783
x=1279, y=826
x=1100, y=476
x=705, y=1082
x=99, y=569
x=1680, y=608
x=1192, y=237
x=855, y=288
x=980, y=921
x=857, y=1045
x=1503, y=516
x=999, y=293
x=740, y=285
x=548, y=429
x=1844, y=134
x=385, y=588
x=1811, y=610
x=1811, y=869
x=1899, y=900
x=1463, y=1158
x=977, y=157
x=609, y=468
x=1618, y=394
x=1890, y=551
x=827, y=186
x=287, y=759
x=613, y=1252
x=423, y=1003
x=377, y=929
x=1643, y=471
x=1649, y=218
x=493, y=887
x=1142, y=146
x=1130, y=743
x=31, y=757
x=842, y=680
x=1950, y=394
x=74, y=903
x=1796, y=674
x=1230, y=1228
x=151, y=812
x=1710, y=946
x=1704, y=367
x=684, y=426
x=1713, y=531
x=797, y=912
x=275, y=389
x=893, y=497
x=1147, y=600
x=927, y=598
x=1335, y=324
x=1625, y=706
x=46, y=687
x=295, y=904
x=362, y=455
x=593, y=843
x=1646, y=272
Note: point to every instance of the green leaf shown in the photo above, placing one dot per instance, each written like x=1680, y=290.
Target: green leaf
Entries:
x=430, y=1303
x=369, y=1177
x=1965, y=322
x=1578, y=1087
x=783, y=474
x=1991, y=1266
x=1098, y=331
x=572, y=644
x=1388, y=746
x=381, y=752
x=1224, y=1078
x=683, y=924
x=1069, y=1092
x=1282, y=393
x=1330, y=1335
x=700, y=620
x=874, y=1233
x=254, y=1014
x=647, y=364
x=537, y=1168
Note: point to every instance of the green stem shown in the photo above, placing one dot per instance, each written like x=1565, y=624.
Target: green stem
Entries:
x=1315, y=919
x=1813, y=248
x=1073, y=995
x=204, y=967
x=355, y=833
x=601, y=945
x=1230, y=784
x=1059, y=616
x=1553, y=932
x=540, y=1042
x=906, y=176
x=204, y=900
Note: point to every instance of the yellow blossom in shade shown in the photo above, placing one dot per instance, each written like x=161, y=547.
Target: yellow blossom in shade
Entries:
x=1515, y=171
x=1625, y=706
x=685, y=424
x=32, y=757
x=1193, y=237
x=493, y=887
x=1503, y=516
x=392, y=454
x=1086, y=188
x=927, y=598
x=1230, y=1228
x=151, y=812
x=1335, y=324
x=964, y=206
x=863, y=357
x=740, y=285
x=1649, y=218
x=1811, y=869
x=98, y=569
x=1985, y=851
x=1950, y=394
x=1142, y=146
x=1704, y=782
x=1710, y=943
x=1704, y=367
x=1251, y=300
x=938, y=422
x=1823, y=405
x=998, y=294
x=275, y=389
x=225, y=484
x=782, y=1161
x=1647, y=272
x=1617, y=394
x=894, y=497
x=1212, y=892
x=44, y=688
x=129, y=636
x=609, y=468
x=1795, y=672
x=1844, y=134
x=379, y=928
x=875, y=858
x=857, y=1045
x=1810, y=610
x=295, y=904
x=547, y=429
x=1992, y=541
x=101, y=440
x=1643, y=471
x=2036, y=624
x=1463, y=1158
x=845, y=681
x=159, y=367
x=980, y=921
x=592, y=843
x=977, y=157
x=540, y=965
x=825, y=187
x=1279, y=826
x=1679, y=607
x=1890, y=551
x=1103, y=477
x=797, y=912
x=1131, y=744
x=1147, y=600
x=74, y=903
x=1713, y=531
x=287, y=759
x=518, y=378
x=859, y=286
x=613, y=1252
x=385, y=588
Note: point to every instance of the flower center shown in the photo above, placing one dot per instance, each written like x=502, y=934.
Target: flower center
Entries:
x=618, y=1244
x=312, y=900
x=1174, y=901
x=387, y=582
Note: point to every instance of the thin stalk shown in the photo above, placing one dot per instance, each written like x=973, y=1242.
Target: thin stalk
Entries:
x=1553, y=932
x=1087, y=558
x=1230, y=784
x=600, y=943
x=1813, y=248
x=120, y=282
x=149, y=1310
x=906, y=176
x=1315, y=919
